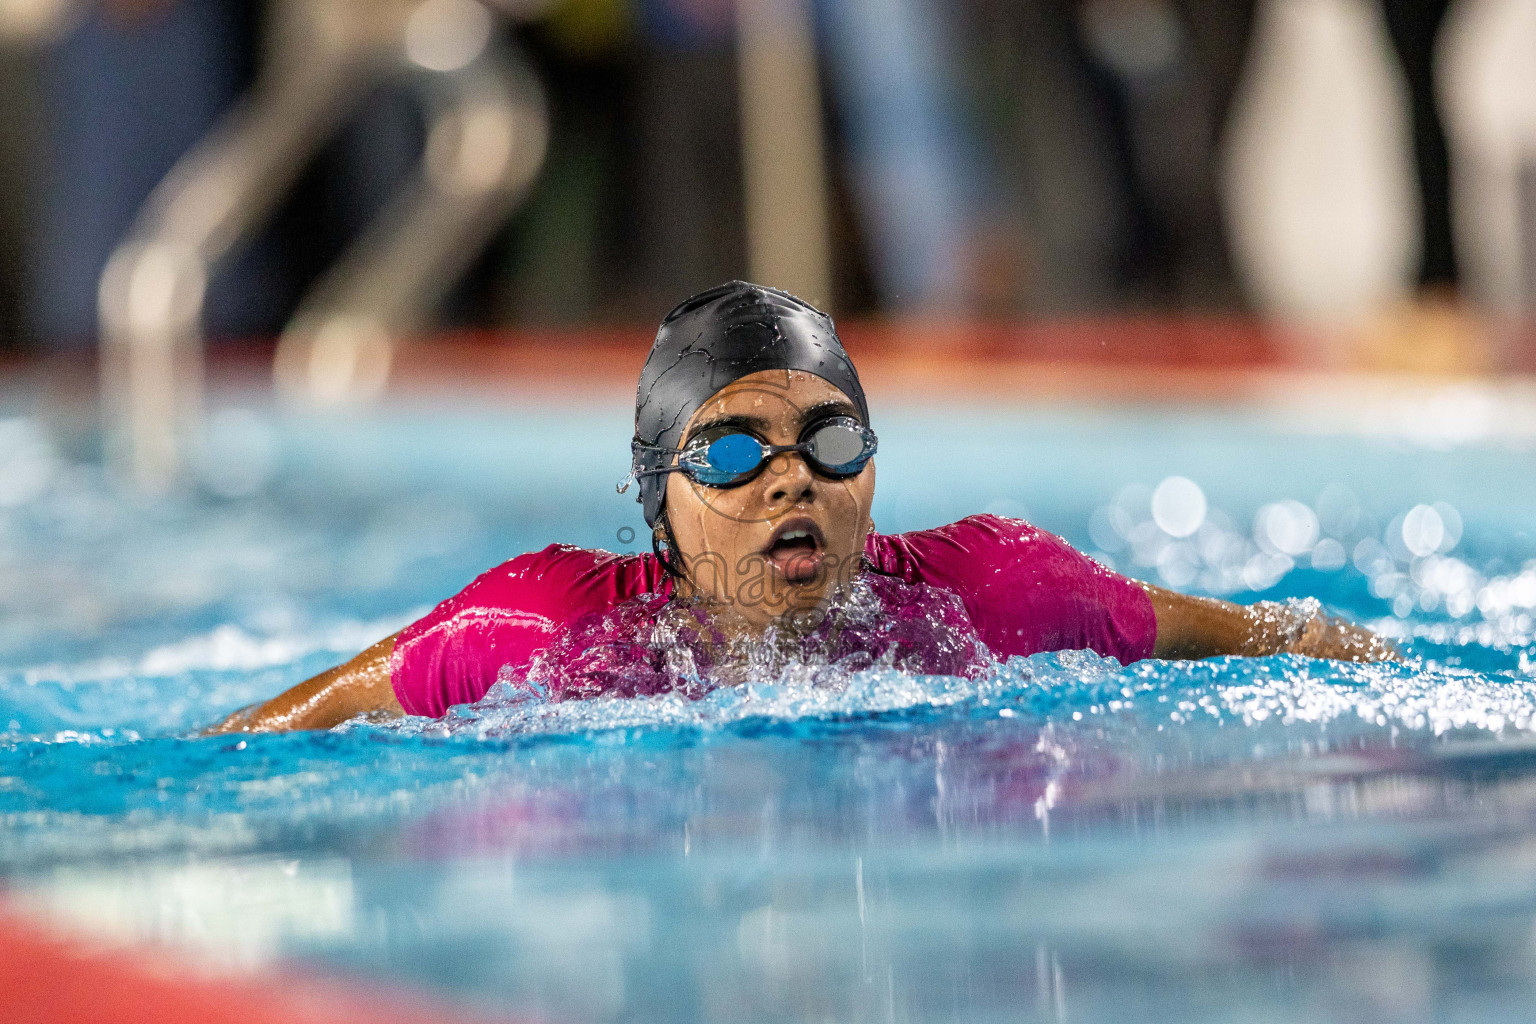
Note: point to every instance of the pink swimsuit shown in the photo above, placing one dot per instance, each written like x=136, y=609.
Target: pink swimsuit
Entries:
x=1023, y=591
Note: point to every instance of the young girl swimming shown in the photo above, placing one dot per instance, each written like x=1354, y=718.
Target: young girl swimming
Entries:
x=754, y=458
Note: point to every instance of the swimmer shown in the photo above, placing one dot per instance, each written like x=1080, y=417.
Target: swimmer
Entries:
x=754, y=459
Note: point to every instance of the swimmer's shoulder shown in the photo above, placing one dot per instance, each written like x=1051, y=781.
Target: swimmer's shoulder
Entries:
x=524, y=600
x=569, y=579
x=1025, y=589
x=991, y=553
x=982, y=538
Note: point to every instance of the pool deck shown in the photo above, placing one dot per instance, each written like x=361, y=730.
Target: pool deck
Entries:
x=1141, y=359
x=1205, y=360
x=50, y=978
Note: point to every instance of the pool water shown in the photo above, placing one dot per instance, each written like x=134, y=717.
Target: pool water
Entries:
x=1060, y=839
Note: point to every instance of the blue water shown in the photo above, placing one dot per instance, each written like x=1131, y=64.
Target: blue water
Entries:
x=1065, y=839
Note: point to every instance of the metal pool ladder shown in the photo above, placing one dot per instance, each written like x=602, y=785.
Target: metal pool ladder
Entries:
x=487, y=131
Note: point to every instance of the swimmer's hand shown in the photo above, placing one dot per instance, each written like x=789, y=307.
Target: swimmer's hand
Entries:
x=361, y=686
x=1202, y=627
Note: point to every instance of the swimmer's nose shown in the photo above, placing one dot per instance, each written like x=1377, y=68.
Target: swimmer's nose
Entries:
x=790, y=478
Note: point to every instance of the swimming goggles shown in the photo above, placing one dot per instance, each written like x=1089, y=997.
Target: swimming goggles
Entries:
x=727, y=456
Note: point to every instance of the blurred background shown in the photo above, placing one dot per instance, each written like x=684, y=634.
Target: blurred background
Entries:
x=1352, y=163
x=353, y=191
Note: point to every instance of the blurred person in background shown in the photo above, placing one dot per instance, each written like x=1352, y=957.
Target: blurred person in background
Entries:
x=1104, y=119
x=1052, y=157
x=1414, y=26
x=915, y=159
x=910, y=152
x=1107, y=120
x=569, y=253
x=687, y=200
x=1058, y=156
x=18, y=111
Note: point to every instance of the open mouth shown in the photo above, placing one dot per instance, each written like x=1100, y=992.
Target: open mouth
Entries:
x=796, y=549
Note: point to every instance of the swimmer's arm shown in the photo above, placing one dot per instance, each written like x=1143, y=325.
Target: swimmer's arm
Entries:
x=360, y=686
x=1202, y=627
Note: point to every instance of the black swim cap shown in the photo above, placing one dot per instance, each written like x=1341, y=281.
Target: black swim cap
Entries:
x=717, y=337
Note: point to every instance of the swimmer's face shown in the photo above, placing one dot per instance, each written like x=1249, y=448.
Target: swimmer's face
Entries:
x=781, y=542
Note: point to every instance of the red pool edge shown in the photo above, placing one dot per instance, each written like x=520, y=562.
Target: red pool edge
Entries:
x=1143, y=358
x=48, y=978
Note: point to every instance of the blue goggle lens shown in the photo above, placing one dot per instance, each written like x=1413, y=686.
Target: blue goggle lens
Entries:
x=730, y=457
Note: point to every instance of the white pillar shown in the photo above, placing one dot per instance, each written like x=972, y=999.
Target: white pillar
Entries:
x=1318, y=176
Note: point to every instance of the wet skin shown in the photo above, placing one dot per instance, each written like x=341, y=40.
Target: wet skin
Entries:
x=783, y=541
